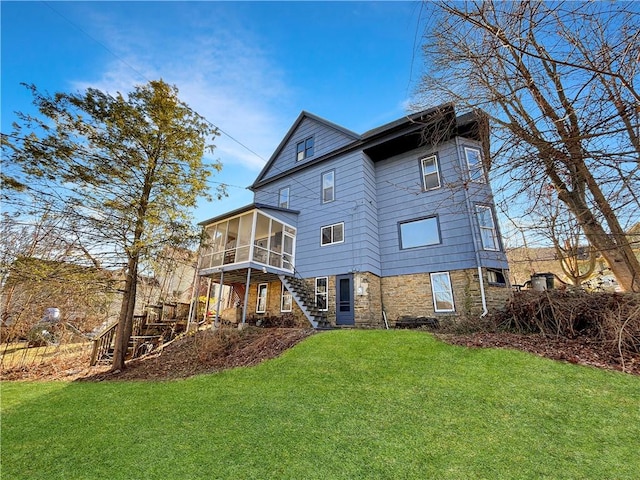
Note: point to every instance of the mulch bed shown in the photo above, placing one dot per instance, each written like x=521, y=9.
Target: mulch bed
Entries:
x=581, y=350
x=208, y=351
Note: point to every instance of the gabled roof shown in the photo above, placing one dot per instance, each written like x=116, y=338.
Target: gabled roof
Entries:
x=404, y=134
x=304, y=114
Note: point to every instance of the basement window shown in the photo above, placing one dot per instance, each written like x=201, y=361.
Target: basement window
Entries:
x=496, y=277
x=442, y=292
x=261, y=305
x=322, y=293
x=286, y=304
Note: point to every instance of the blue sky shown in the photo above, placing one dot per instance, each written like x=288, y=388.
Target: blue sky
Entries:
x=248, y=67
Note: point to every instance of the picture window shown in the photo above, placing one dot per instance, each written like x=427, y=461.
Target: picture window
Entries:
x=419, y=233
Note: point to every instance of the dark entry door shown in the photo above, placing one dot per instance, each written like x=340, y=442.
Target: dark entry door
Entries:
x=344, y=300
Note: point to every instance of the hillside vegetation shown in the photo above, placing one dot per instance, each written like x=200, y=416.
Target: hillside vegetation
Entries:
x=340, y=404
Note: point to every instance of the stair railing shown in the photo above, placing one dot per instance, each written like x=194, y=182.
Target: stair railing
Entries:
x=102, y=344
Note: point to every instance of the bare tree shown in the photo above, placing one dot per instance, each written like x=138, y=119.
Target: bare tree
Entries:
x=43, y=265
x=577, y=258
x=559, y=82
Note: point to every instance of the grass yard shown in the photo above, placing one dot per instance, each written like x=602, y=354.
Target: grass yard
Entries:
x=341, y=404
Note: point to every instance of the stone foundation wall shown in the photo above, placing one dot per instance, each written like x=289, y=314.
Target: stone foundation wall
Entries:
x=274, y=298
x=402, y=295
x=367, y=300
x=411, y=295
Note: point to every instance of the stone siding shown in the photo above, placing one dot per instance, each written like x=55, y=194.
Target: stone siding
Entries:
x=367, y=300
x=410, y=295
x=402, y=295
x=274, y=298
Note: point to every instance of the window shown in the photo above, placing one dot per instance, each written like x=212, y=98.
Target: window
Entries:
x=328, y=190
x=286, y=302
x=474, y=162
x=304, y=149
x=488, y=232
x=332, y=234
x=321, y=293
x=419, y=233
x=430, y=174
x=283, y=197
x=442, y=293
x=496, y=276
x=261, y=305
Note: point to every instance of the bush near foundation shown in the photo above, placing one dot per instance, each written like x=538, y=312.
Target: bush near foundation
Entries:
x=613, y=319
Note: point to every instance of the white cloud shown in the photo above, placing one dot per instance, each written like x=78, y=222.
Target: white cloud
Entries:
x=222, y=76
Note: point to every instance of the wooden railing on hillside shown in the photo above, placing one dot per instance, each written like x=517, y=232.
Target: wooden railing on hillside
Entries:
x=103, y=345
x=148, y=331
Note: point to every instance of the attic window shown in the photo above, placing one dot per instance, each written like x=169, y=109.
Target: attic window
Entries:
x=304, y=149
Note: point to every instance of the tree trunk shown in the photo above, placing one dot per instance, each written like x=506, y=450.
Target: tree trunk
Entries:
x=624, y=267
x=125, y=320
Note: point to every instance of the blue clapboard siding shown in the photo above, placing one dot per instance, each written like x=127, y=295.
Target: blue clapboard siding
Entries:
x=400, y=198
x=371, y=199
x=326, y=139
x=355, y=205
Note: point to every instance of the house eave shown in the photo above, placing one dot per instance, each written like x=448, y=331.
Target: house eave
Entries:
x=246, y=208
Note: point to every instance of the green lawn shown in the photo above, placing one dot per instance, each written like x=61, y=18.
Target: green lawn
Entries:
x=342, y=404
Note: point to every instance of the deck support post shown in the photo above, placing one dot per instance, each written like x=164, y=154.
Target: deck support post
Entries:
x=206, y=304
x=246, y=297
x=216, y=320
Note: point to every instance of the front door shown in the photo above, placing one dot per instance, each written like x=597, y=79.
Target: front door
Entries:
x=344, y=300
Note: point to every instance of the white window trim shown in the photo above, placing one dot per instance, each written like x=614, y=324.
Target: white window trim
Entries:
x=280, y=197
x=266, y=297
x=332, y=235
x=437, y=172
x=325, y=294
x=284, y=293
x=333, y=187
x=433, y=293
x=492, y=229
x=479, y=167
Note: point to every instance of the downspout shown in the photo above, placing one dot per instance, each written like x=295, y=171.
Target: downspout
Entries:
x=472, y=224
x=482, y=294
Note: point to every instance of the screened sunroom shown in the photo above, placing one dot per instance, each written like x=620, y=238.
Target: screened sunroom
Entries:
x=248, y=239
